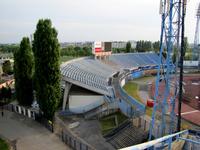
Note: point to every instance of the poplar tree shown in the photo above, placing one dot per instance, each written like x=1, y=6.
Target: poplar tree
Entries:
x=23, y=72
x=128, y=47
x=47, y=67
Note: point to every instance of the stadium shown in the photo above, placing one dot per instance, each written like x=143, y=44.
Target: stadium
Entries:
x=93, y=88
x=99, y=76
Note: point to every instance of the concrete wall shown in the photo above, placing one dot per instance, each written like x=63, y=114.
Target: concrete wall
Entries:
x=122, y=82
x=83, y=103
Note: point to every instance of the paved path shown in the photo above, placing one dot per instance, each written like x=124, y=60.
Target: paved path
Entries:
x=28, y=134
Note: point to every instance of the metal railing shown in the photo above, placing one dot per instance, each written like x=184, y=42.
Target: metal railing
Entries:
x=159, y=143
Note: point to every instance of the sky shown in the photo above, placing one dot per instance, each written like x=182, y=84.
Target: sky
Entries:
x=88, y=20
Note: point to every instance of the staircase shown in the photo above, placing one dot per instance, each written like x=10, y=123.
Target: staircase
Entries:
x=108, y=107
x=130, y=135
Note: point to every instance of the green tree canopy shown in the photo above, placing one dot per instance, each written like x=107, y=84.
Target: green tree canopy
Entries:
x=47, y=67
x=8, y=48
x=23, y=72
x=128, y=47
x=156, y=46
x=76, y=51
x=87, y=51
x=7, y=68
x=5, y=94
x=143, y=46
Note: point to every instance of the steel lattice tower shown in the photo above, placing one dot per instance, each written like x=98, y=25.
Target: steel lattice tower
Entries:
x=196, y=49
x=164, y=101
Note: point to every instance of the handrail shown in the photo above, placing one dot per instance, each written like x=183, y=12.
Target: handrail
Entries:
x=154, y=142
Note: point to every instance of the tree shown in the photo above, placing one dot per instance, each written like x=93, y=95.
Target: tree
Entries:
x=47, y=67
x=7, y=68
x=76, y=51
x=128, y=47
x=87, y=51
x=143, y=46
x=174, y=56
x=23, y=72
x=156, y=46
x=8, y=48
x=5, y=93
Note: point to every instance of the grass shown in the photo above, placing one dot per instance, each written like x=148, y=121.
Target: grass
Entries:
x=108, y=123
x=144, y=78
x=66, y=58
x=149, y=111
x=3, y=145
x=132, y=89
x=120, y=117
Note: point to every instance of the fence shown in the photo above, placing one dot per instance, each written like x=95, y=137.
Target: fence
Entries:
x=32, y=114
x=47, y=123
x=20, y=110
x=130, y=106
x=101, y=111
x=106, y=113
x=68, y=137
x=144, y=123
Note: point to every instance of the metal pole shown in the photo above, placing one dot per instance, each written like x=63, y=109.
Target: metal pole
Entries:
x=181, y=67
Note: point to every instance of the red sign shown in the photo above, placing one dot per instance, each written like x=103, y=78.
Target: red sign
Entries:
x=98, y=49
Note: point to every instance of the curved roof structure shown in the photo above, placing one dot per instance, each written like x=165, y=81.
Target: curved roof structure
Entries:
x=94, y=75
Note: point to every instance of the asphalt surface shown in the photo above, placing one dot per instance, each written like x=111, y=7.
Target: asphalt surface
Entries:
x=27, y=134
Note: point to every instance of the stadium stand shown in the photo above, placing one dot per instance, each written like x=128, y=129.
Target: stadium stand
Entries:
x=130, y=60
x=106, y=77
x=97, y=76
x=89, y=72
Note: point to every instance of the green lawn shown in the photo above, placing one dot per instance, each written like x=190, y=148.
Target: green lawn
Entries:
x=132, y=89
x=121, y=117
x=3, y=145
x=108, y=123
x=144, y=78
x=66, y=58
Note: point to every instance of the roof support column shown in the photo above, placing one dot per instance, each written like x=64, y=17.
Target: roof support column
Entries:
x=66, y=92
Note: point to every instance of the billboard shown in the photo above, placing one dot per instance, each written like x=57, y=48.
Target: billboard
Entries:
x=107, y=46
x=101, y=46
x=97, y=46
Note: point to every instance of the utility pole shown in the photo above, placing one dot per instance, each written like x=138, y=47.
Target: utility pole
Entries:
x=181, y=66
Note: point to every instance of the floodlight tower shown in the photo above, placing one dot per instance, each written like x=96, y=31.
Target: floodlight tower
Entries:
x=164, y=101
x=196, y=48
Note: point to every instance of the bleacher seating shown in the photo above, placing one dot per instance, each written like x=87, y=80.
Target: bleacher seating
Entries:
x=130, y=135
x=94, y=74
x=87, y=74
x=129, y=60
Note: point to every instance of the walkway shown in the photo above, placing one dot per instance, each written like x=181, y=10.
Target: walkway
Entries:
x=29, y=135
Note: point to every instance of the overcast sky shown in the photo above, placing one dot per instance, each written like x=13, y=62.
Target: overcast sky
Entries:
x=88, y=20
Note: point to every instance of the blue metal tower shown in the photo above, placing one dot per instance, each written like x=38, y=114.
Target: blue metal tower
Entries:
x=164, y=101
